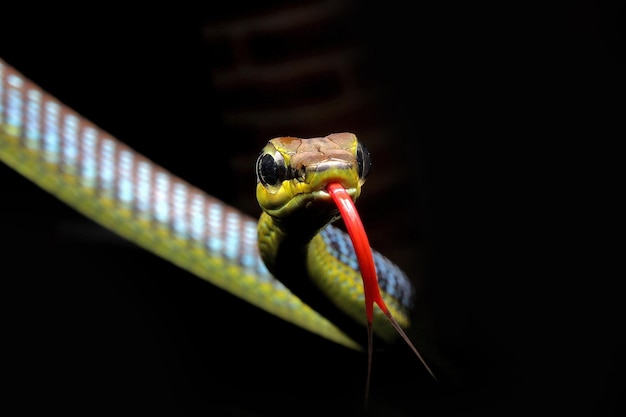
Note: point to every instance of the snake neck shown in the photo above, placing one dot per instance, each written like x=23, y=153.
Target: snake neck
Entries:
x=317, y=264
x=287, y=254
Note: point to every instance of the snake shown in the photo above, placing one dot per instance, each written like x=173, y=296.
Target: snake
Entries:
x=291, y=262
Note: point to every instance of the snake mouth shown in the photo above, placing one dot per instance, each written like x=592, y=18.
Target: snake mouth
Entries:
x=323, y=196
x=316, y=201
x=303, y=197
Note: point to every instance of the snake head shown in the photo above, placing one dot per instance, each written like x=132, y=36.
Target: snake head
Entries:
x=293, y=173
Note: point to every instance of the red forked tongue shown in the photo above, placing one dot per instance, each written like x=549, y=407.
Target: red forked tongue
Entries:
x=368, y=273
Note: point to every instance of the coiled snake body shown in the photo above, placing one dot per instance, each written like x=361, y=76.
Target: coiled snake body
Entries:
x=314, y=272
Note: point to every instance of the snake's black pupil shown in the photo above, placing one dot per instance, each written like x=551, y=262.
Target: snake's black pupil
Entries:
x=269, y=171
x=364, y=161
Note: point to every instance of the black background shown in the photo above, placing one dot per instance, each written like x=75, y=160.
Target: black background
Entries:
x=512, y=109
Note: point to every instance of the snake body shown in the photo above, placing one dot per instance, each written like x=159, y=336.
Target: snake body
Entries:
x=115, y=186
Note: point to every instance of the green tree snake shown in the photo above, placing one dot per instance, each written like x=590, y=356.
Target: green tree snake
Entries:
x=112, y=184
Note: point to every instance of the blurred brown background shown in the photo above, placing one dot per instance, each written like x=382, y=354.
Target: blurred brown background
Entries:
x=474, y=116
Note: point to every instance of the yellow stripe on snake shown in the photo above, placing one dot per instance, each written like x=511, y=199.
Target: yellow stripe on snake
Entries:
x=110, y=183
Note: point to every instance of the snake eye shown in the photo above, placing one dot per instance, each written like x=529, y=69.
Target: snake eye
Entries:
x=364, y=161
x=270, y=170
